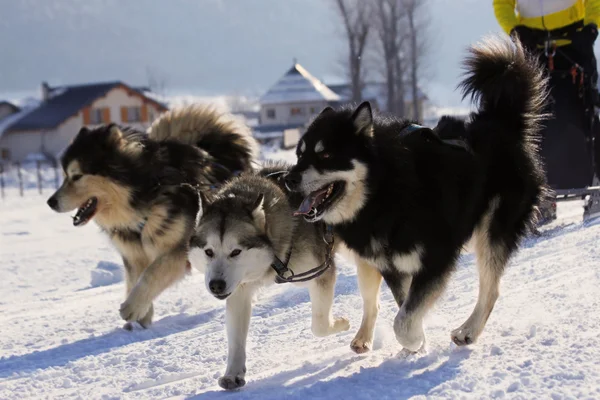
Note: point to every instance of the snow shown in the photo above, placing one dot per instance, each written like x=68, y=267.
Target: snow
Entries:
x=106, y=273
x=61, y=336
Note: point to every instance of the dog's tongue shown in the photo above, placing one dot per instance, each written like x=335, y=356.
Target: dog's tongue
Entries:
x=309, y=202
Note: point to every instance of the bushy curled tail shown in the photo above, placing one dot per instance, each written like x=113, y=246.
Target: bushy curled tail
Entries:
x=508, y=84
x=227, y=140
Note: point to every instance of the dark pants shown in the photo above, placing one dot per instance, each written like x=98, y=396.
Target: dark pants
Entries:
x=568, y=147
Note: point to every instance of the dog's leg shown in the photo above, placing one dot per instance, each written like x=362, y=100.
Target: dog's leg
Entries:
x=425, y=288
x=162, y=273
x=133, y=271
x=238, y=311
x=321, y=291
x=398, y=282
x=369, y=282
x=491, y=260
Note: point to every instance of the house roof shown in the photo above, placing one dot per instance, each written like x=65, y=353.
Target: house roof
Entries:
x=66, y=101
x=14, y=107
x=9, y=120
x=298, y=85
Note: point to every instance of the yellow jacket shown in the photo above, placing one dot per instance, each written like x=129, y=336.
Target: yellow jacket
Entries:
x=545, y=14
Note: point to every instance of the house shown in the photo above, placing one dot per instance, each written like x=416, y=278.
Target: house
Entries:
x=294, y=99
x=297, y=97
x=7, y=108
x=50, y=127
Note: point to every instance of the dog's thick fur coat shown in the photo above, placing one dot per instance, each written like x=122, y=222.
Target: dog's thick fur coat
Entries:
x=406, y=201
x=240, y=233
x=143, y=191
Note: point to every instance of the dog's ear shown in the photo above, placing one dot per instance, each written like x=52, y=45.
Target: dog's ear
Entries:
x=83, y=131
x=326, y=110
x=258, y=212
x=363, y=119
x=203, y=203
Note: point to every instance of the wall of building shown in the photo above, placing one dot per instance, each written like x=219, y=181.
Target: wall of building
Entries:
x=117, y=98
x=283, y=114
x=51, y=142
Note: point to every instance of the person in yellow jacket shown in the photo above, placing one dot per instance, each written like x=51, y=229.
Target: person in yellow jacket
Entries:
x=572, y=24
x=562, y=34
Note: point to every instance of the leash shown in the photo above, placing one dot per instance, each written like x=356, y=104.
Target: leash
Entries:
x=287, y=275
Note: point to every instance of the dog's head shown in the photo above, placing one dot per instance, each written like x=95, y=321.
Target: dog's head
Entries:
x=96, y=167
x=230, y=244
x=332, y=165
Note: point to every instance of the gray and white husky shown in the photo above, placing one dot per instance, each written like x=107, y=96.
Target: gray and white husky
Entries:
x=247, y=231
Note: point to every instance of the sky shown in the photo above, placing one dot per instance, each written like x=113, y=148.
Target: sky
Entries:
x=208, y=47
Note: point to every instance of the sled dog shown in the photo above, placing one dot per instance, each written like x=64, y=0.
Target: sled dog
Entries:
x=406, y=199
x=246, y=239
x=142, y=190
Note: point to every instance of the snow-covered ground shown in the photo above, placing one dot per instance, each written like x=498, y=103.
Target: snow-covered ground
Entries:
x=60, y=334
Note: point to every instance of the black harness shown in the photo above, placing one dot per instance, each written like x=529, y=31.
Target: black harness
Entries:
x=458, y=143
x=287, y=275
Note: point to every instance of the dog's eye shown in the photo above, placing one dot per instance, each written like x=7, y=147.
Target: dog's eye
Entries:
x=209, y=253
x=235, y=253
x=77, y=177
x=324, y=156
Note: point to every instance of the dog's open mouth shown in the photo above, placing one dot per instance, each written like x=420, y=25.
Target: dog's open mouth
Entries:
x=315, y=204
x=86, y=212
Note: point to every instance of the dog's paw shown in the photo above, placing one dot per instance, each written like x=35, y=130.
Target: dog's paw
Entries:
x=341, y=324
x=409, y=332
x=333, y=327
x=463, y=336
x=361, y=346
x=231, y=382
x=134, y=309
x=128, y=326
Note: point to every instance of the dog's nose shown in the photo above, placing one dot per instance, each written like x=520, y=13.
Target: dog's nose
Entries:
x=292, y=181
x=53, y=203
x=217, y=286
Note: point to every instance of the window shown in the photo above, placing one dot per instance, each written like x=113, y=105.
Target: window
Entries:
x=134, y=114
x=5, y=154
x=296, y=111
x=150, y=114
x=314, y=110
x=96, y=116
x=271, y=113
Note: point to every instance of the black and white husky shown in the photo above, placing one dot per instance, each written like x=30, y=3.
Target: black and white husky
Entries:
x=246, y=234
x=406, y=199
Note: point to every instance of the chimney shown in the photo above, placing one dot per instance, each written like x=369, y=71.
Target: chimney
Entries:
x=45, y=91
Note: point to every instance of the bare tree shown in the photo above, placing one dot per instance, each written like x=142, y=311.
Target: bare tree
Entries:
x=416, y=34
x=389, y=22
x=356, y=16
x=157, y=81
x=401, y=43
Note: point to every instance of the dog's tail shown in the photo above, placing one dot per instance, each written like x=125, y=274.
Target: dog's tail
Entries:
x=508, y=84
x=227, y=140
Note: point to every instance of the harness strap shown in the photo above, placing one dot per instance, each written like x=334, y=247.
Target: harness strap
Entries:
x=287, y=275
x=459, y=143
